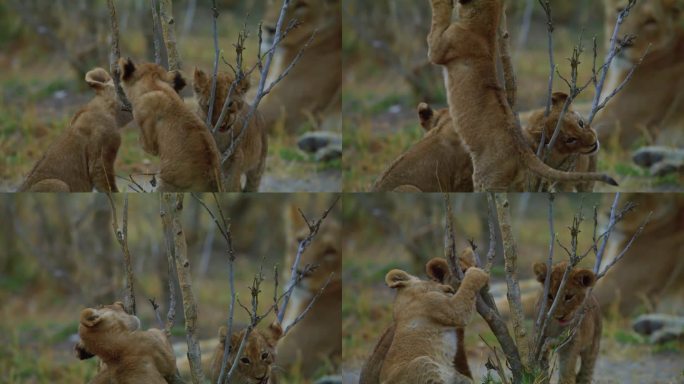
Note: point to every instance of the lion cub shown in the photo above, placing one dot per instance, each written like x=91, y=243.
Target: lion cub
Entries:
x=257, y=358
x=426, y=314
x=584, y=346
x=168, y=129
x=130, y=355
x=249, y=158
x=83, y=156
x=467, y=51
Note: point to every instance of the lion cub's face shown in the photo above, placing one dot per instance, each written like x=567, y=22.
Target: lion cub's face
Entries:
x=138, y=79
x=201, y=86
x=575, y=136
x=108, y=318
x=652, y=22
x=579, y=282
x=257, y=358
x=312, y=15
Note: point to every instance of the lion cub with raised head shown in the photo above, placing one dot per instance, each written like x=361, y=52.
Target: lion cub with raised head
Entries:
x=257, y=357
x=82, y=158
x=467, y=50
x=584, y=345
x=427, y=314
x=130, y=355
x=249, y=158
x=168, y=129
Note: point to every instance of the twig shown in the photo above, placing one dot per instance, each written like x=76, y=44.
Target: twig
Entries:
x=114, y=56
x=156, y=26
x=121, y=235
x=169, y=32
x=511, y=266
x=611, y=225
x=174, y=208
x=552, y=65
x=309, y=306
x=614, y=46
x=157, y=314
x=313, y=231
x=217, y=52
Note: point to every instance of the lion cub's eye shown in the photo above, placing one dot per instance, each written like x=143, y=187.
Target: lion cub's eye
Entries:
x=550, y=297
x=581, y=123
x=568, y=297
x=245, y=360
x=570, y=140
x=264, y=356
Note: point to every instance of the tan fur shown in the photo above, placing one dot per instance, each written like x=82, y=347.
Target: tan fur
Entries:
x=316, y=341
x=436, y=163
x=483, y=119
x=168, y=129
x=584, y=345
x=435, y=269
x=257, y=357
x=440, y=163
x=130, y=355
x=311, y=91
x=427, y=314
x=82, y=158
x=249, y=158
x=650, y=108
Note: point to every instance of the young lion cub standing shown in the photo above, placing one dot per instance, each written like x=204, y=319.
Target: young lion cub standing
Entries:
x=584, y=345
x=83, y=156
x=483, y=119
x=249, y=157
x=168, y=129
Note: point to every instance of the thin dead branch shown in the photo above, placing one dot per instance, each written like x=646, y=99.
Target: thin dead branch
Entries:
x=174, y=208
x=121, y=235
x=114, y=56
x=168, y=27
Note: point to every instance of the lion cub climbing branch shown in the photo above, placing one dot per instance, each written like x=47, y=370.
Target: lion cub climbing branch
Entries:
x=168, y=129
x=484, y=120
x=427, y=315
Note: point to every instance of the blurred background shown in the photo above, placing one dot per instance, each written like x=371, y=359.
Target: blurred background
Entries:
x=46, y=47
x=387, y=74
x=387, y=231
x=58, y=255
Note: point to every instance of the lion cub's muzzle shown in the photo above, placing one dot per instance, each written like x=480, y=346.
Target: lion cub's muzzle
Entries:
x=594, y=149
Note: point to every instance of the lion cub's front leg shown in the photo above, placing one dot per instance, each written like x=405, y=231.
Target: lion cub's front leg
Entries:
x=446, y=41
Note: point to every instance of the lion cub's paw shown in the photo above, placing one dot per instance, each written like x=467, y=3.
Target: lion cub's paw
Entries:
x=475, y=278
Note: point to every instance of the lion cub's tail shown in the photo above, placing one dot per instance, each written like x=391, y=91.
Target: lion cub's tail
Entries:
x=541, y=169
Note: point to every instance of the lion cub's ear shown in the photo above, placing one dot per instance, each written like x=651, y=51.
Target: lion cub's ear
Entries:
x=273, y=333
x=540, y=271
x=98, y=79
x=127, y=68
x=466, y=259
x=425, y=114
x=584, y=277
x=90, y=317
x=558, y=99
x=199, y=80
x=438, y=269
x=398, y=279
x=222, y=334
x=176, y=79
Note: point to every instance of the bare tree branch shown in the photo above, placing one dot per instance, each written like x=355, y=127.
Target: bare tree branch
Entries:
x=169, y=32
x=114, y=56
x=121, y=235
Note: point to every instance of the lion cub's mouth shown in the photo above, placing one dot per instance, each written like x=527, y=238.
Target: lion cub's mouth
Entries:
x=594, y=149
x=563, y=321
